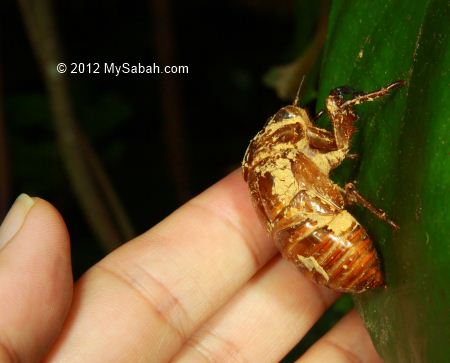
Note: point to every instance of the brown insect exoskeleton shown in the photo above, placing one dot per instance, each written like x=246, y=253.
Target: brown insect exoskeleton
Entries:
x=287, y=168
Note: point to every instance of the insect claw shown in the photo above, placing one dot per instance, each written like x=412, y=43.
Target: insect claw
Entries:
x=352, y=156
x=398, y=83
x=393, y=224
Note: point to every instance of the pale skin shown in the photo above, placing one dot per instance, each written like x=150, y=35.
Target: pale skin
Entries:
x=204, y=285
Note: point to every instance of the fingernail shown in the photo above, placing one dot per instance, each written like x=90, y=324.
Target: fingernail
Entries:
x=15, y=218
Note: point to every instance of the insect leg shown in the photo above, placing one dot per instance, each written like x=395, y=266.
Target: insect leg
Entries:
x=371, y=96
x=352, y=196
x=321, y=139
x=325, y=141
x=342, y=119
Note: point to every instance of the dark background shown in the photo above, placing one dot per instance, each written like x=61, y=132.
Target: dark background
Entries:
x=223, y=102
x=155, y=157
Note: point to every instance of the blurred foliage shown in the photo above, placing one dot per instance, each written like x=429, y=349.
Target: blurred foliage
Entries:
x=404, y=164
x=299, y=76
x=224, y=101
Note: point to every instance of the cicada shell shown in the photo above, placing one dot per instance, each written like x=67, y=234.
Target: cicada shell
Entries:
x=287, y=168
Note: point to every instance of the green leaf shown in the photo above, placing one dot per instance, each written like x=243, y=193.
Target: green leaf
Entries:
x=404, y=165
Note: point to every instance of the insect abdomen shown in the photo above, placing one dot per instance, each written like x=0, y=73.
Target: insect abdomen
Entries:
x=344, y=260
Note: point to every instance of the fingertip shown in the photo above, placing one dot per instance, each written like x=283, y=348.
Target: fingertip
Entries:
x=49, y=217
x=36, y=282
x=45, y=231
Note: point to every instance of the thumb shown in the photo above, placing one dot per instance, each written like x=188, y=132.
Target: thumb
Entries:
x=35, y=279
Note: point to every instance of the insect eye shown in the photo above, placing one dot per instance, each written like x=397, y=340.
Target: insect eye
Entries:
x=287, y=113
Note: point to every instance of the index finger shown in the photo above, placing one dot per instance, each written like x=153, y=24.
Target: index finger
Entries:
x=160, y=287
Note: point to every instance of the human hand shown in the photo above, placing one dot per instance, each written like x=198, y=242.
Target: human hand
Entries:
x=205, y=284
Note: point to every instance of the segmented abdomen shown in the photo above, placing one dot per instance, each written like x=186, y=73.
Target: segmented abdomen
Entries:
x=343, y=260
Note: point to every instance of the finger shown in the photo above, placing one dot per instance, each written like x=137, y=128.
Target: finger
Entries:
x=348, y=341
x=35, y=280
x=146, y=299
x=263, y=321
